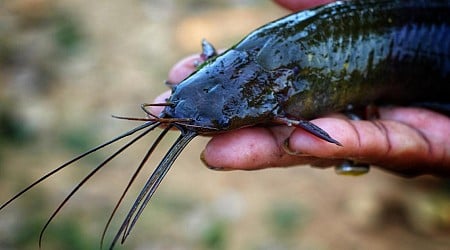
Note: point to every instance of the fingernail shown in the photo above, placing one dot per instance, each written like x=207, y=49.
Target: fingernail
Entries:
x=289, y=151
x=352, y=168
x=202, y=158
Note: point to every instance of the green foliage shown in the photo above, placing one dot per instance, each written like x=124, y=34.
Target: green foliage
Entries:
x=61, y=234
x=286, y=218
x=68, y=35
x=77, y=139
x=12, y=129
x=215, y=236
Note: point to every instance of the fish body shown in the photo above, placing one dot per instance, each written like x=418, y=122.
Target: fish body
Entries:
x=320, y=61
x=289, y=71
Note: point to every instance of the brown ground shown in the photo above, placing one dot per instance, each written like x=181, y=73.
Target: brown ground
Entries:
x=65, y=66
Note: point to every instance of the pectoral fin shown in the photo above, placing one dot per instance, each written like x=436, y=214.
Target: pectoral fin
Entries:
x=310, y=127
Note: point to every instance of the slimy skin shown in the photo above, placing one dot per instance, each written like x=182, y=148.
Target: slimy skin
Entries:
x=320, y=61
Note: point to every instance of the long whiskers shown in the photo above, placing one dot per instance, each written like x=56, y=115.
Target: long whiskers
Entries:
x=182, y=122
x=151, y=122
x=150, y=119
x=130, y=182
x=95, y=170
x=152, y=184
x=161, y=171
x=128, y=133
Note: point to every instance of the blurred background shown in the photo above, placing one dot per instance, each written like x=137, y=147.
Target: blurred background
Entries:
x=67, y=65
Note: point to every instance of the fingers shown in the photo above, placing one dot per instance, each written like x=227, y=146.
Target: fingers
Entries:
x=412, y=141
x=183, y=68
x=296, y=5
x=409, y=141
x=434, y=130
x=253, y=148
x=245, y=148
x=179, y=71
x=257, y=148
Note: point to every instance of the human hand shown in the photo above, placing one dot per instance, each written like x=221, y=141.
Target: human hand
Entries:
x=407, y=141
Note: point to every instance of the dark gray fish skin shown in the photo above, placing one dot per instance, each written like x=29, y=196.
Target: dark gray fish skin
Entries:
x=319, y=61
x=293, y=69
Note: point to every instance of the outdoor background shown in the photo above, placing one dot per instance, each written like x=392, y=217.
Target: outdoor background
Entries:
x=67, y=65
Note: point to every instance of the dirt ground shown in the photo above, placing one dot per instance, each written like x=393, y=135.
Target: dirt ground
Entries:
x=66, y=66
